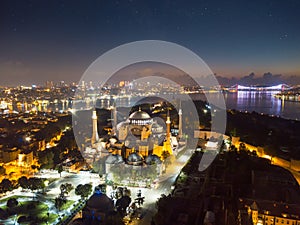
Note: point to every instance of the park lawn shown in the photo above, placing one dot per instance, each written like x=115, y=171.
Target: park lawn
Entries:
x=69, y=204
x=35, y=209
x=48, y=220
x=5, y=199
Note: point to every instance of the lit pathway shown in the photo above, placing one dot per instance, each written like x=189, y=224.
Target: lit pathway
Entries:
x=164, y=187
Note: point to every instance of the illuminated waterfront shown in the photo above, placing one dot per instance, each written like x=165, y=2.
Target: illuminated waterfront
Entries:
x=261, y=102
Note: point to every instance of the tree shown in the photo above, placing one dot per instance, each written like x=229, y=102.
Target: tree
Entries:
x=23, y=182
x=60, y=169
x=2, y=171
x=122, y=203
x=165, y=154
x=169, y=160
x=6, y=185
x=65, y=189
x=102, y=188
x=162, y=201
x=3, y=214
x=233, y=148
x=59, y=202
x=69, y=187
x=34, y=167
x=83, y=190
x=22, y=219
x=35, y=184
x=150, y=172
x=242, y=147
x=233, y=133
x=12, y=203
x=46, y=159
x=127, y=192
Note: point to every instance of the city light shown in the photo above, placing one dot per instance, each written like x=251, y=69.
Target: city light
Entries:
x=146, y=133
x=27, y=139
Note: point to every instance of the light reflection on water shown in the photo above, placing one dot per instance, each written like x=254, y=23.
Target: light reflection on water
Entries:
x=261, y=102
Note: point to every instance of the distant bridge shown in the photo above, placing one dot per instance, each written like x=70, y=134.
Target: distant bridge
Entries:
x=279, y=87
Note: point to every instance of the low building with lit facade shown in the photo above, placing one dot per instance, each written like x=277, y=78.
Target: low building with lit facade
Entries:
x=26, y=159
x=9, y=154
x=273, y=197
x=262, y=212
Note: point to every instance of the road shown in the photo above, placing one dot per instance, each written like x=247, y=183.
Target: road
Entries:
x=165, y=183
x=53, y=189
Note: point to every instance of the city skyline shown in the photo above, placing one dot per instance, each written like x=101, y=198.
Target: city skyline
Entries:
x=60, y=41
x=150, y=112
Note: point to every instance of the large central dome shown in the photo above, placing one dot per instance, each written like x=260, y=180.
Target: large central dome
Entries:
x=140, y=118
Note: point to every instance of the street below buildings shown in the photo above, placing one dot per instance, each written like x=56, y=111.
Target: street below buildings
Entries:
x=164, y=186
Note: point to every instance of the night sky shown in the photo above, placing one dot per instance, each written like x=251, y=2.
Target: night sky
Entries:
x=58, y=40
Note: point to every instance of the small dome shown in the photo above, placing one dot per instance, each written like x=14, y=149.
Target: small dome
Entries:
x=152, y=159
x=114, y=159
x=135, y=159
x=100, y=202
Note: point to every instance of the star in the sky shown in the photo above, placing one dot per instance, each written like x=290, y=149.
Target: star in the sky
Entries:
x=285, y=36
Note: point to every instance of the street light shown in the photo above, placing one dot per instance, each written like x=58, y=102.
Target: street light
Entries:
x=28, y=139
x=46, y=183
x=15, y=222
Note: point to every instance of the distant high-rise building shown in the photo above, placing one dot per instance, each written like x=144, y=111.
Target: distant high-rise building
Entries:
x=61, y=84
x=49, y=84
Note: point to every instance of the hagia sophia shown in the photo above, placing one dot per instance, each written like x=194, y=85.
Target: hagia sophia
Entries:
x=138, y=141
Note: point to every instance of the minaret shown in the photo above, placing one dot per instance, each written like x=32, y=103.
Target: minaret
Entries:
x=95, y=136
x=168, y=122
x=180, y=122
x=115, y=119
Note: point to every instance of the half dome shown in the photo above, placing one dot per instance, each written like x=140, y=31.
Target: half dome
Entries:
x=135, y=159
x=152, y=159
x=114, y=159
